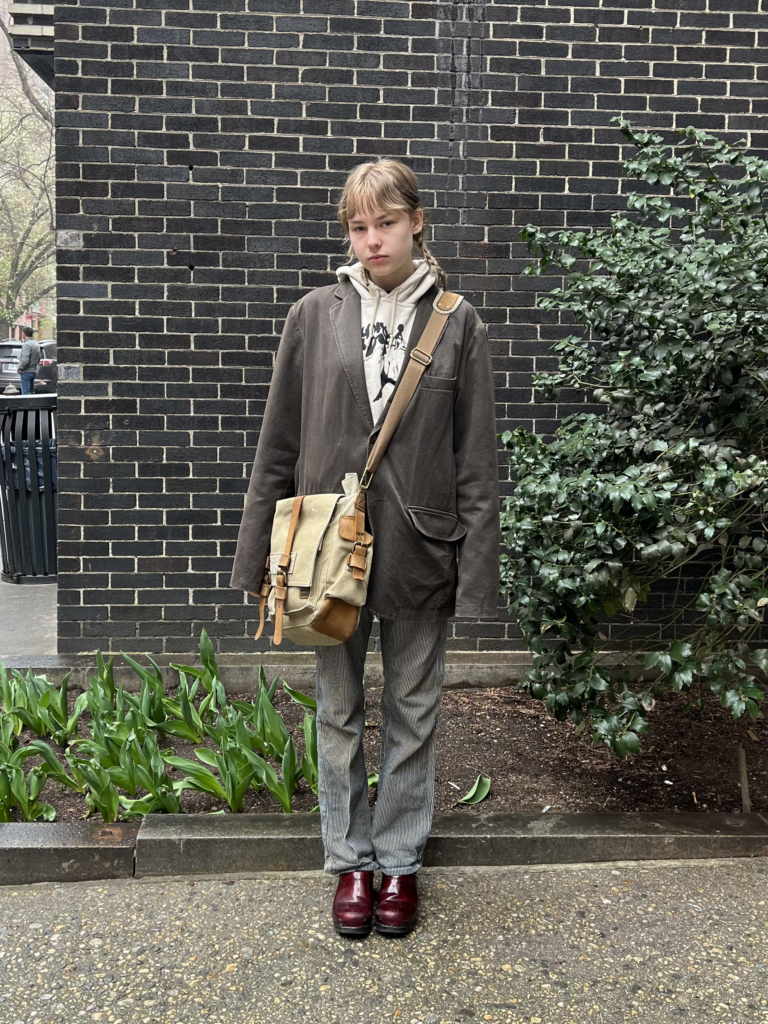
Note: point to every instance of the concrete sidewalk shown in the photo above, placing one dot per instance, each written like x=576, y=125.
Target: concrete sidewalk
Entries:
x=651, y=942
x=27, y=619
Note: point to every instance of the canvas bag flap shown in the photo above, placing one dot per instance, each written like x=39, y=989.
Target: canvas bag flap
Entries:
x=316, y=513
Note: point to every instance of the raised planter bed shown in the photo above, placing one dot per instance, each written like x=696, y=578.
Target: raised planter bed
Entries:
x=535, y=762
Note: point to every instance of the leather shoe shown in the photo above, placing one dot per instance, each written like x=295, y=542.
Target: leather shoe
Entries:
x=353, y=903
x=398, y=907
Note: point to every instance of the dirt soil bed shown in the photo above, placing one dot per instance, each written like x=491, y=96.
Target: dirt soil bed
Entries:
x=533, y=761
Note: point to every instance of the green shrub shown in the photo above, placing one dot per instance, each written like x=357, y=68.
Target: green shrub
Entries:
x=651, y=510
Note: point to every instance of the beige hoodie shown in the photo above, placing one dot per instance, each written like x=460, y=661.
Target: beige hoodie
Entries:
x=387, y=318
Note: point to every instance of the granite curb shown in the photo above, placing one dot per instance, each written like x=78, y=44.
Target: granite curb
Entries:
x=240, y=673
x=77, y=851
x=224, y=844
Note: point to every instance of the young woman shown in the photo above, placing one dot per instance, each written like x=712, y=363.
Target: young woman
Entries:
x=433, y=509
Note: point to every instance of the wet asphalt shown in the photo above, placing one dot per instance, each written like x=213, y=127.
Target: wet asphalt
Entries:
x=648, y=942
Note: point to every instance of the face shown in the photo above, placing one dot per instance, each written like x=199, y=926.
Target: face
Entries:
x=383, y=241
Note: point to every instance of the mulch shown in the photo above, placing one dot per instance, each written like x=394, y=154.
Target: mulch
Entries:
x=689, y=761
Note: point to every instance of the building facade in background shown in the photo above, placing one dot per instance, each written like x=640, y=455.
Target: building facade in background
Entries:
x=201, y=147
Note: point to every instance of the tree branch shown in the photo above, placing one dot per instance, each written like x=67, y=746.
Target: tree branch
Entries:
x=40, y=295
x=22, y=72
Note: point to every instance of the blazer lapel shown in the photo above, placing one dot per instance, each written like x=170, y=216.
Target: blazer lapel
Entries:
x=420, y=321
x=345, y=320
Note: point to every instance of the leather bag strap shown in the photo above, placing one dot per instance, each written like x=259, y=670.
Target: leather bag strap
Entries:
x=420, y=358
x=285, y=559
x=281, y=590
x=262, y=595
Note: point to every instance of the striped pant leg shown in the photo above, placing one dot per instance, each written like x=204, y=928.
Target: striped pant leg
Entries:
x=413, y=654
x=345, y=815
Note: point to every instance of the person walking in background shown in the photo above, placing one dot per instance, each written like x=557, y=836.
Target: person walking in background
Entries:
x=29, y=358
x=433, y=509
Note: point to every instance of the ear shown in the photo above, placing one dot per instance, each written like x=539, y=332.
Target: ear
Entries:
x=417, y=221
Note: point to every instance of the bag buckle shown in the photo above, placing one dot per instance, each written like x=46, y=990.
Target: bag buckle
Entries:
x=365, y=480
x=357, y=560
x=421, y=356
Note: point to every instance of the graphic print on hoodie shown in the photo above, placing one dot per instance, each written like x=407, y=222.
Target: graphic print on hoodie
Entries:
x=386, y=322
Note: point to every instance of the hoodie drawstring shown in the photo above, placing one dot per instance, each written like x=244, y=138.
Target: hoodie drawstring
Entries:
x=394, y=315
x=376, y=295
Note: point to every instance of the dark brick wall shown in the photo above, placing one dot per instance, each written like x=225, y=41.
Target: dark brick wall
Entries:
x=202, y=145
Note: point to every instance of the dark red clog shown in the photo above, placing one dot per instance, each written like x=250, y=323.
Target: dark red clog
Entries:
x=353, y=903
x=398, y=907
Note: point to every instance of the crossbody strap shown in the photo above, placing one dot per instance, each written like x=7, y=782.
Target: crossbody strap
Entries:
x=420, y=358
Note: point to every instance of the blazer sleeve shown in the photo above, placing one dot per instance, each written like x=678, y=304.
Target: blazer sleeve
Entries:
x=277, y=453
x=477, y=482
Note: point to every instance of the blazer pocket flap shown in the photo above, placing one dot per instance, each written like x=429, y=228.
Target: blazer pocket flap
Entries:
x=438, y=383
x=438, y=525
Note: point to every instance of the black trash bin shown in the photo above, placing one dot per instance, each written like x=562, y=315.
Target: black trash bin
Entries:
x=28, y=484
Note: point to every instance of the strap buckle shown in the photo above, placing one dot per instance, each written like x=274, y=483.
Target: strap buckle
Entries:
x=421, y=356
x=365, y=480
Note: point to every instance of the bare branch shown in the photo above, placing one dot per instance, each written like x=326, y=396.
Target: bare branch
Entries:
x=32, y=299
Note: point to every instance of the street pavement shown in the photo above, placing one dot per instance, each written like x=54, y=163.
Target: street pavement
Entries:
x=27, y=620
x=648, y=942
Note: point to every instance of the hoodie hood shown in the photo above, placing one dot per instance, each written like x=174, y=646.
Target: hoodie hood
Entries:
x=384, y=305
x=386, y=322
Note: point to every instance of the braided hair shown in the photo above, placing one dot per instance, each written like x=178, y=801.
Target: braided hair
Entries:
x=388, y=185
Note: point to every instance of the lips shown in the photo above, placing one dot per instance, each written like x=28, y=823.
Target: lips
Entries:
x=377, y=259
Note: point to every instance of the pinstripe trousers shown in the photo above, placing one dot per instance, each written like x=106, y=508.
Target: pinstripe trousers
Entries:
x=394, y=837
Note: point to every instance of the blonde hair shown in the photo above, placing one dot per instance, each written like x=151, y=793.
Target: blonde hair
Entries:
x=387, y=185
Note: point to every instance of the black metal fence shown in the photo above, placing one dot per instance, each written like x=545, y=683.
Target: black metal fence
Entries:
x=28, y=485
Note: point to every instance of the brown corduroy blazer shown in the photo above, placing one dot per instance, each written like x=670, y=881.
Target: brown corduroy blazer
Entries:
x=433, y=505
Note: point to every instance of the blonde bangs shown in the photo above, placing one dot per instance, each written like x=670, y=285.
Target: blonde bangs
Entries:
x=385, y=185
